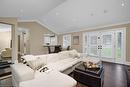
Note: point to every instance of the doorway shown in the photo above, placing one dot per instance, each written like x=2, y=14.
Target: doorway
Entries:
x=108, y=45
x=5, y=42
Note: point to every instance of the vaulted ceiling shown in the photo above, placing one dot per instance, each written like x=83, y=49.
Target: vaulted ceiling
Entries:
x=63, y=16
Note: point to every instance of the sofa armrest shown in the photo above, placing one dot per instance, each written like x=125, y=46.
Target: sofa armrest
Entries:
x=21, y=72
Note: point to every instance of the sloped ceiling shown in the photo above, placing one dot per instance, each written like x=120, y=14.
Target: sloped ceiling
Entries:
x=27, y=9
x=63, y=16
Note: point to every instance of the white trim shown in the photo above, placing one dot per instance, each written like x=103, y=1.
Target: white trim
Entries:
x=27, y=20
x=124, y=30
x=49, y=28
x=81, y=29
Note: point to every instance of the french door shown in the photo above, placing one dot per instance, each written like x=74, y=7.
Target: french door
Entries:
x=107, y=45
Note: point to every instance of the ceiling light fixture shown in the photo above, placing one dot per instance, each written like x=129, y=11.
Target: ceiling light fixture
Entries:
x=122, y=4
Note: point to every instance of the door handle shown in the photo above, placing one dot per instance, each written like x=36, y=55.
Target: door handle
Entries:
x=101, y=47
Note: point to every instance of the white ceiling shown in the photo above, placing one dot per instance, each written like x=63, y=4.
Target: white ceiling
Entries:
x=27, y=9
x=63, y=16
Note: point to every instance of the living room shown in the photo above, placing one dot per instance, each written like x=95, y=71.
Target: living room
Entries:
x=91, y=31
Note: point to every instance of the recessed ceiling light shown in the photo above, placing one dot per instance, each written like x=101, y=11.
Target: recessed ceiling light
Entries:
x=92, y=14
x=105, y=11
x=122, y=4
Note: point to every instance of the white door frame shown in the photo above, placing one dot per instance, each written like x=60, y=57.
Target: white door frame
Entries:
x=124, y=42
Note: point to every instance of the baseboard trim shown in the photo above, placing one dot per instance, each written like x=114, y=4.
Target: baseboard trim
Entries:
x=127, y=63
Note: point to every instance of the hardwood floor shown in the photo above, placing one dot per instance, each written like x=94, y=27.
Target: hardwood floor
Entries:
x=114, y=76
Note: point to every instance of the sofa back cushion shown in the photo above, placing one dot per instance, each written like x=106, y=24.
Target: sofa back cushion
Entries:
x=74, y=54
x=51, y=58
x=69, y=54
x=64, y=54
x=42, y=57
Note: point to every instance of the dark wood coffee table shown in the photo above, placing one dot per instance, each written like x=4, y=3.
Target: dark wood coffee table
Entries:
x=89, y=77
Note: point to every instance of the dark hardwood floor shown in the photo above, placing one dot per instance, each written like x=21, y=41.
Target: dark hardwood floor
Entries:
x=114, y=75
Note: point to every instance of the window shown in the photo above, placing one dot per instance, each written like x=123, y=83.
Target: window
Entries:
x=50, y=39
x=66, y=41
x=107, y=45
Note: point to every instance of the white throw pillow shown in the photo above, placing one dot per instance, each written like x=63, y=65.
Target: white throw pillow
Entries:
x=74, y=54
x=64, y=54
x=36, y=64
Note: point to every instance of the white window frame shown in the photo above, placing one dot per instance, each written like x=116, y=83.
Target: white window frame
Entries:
x=124, y=40
x=66, y=42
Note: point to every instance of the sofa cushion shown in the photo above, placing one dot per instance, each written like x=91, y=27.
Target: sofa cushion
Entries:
x=36, y=64
x=51, y=79
x=74, y=54
x=51, y=58
x=21, y=72
x=42, y=57
x=62, y=65
x=69, y=54
x=64, y=54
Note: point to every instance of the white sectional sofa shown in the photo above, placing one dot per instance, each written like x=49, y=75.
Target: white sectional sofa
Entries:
x=59, y=64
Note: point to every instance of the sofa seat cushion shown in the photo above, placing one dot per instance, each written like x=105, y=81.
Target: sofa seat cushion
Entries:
x=62, y=65
x=21, y=72
x=50, y=79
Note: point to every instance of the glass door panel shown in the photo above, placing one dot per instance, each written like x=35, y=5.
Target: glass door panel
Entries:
x=93, y=44
x=119, y=46
x=107, y=45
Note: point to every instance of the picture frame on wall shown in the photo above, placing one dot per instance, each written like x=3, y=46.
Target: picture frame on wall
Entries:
x=75, y=40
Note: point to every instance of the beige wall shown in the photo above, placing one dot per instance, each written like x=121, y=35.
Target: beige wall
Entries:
x=37, y=32
x=80, y=33
x=13, y=22
x=5, y=38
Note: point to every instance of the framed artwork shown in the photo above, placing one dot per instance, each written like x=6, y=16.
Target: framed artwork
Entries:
x=75, y=40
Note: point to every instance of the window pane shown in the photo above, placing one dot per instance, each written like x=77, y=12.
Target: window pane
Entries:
x=66, y=41
x=107, y=39
x=93, y=50
x=93, y=40
x=107, y=51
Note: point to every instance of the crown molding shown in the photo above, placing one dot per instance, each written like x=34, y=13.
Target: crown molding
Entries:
x=81, y=29
x=96, y=27
x=43, y=24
